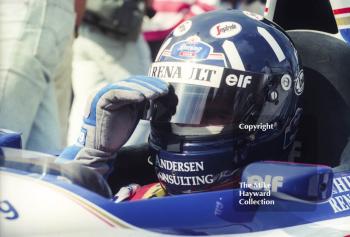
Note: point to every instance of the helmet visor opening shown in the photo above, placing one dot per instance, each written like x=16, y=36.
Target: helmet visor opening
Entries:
x=203, y=95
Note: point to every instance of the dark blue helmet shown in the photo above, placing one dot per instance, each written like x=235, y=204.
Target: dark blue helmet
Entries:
x=235, y=79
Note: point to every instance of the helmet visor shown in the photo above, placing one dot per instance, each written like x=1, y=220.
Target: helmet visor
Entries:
x=204, y=95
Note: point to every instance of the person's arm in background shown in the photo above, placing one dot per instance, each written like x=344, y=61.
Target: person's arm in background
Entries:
x=80, y=6
x=63, y=74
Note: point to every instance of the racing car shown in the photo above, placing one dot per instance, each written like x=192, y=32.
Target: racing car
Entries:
x=39, y=197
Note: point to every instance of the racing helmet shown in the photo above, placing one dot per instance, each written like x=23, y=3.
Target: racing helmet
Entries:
x=235, y=79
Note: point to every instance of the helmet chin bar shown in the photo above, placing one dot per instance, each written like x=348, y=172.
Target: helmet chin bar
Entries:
x=190, y=166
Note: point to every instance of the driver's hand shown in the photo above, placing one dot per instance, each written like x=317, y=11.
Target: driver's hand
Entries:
x=110, y=118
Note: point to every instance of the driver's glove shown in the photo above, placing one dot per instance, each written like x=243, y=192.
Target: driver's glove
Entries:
x=110, y=118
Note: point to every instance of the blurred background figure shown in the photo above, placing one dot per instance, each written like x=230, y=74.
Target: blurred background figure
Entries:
x=109, y=47
x=256, y=6
x=164, y=15
x=63, y=76
x=34, y=36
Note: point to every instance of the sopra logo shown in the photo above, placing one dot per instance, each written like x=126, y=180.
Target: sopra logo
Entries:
x=239, y=81
x=268, y=182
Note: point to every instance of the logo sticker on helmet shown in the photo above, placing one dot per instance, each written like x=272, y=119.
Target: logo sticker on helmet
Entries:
x=183, y=28
x=239, y=81
x=286, y=82
x=253, y=15
x=187, y=73
x=194, y=49
x=299, y=83
x=225, y=29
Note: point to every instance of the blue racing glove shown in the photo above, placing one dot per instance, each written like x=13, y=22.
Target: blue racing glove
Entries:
x=110, y=118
